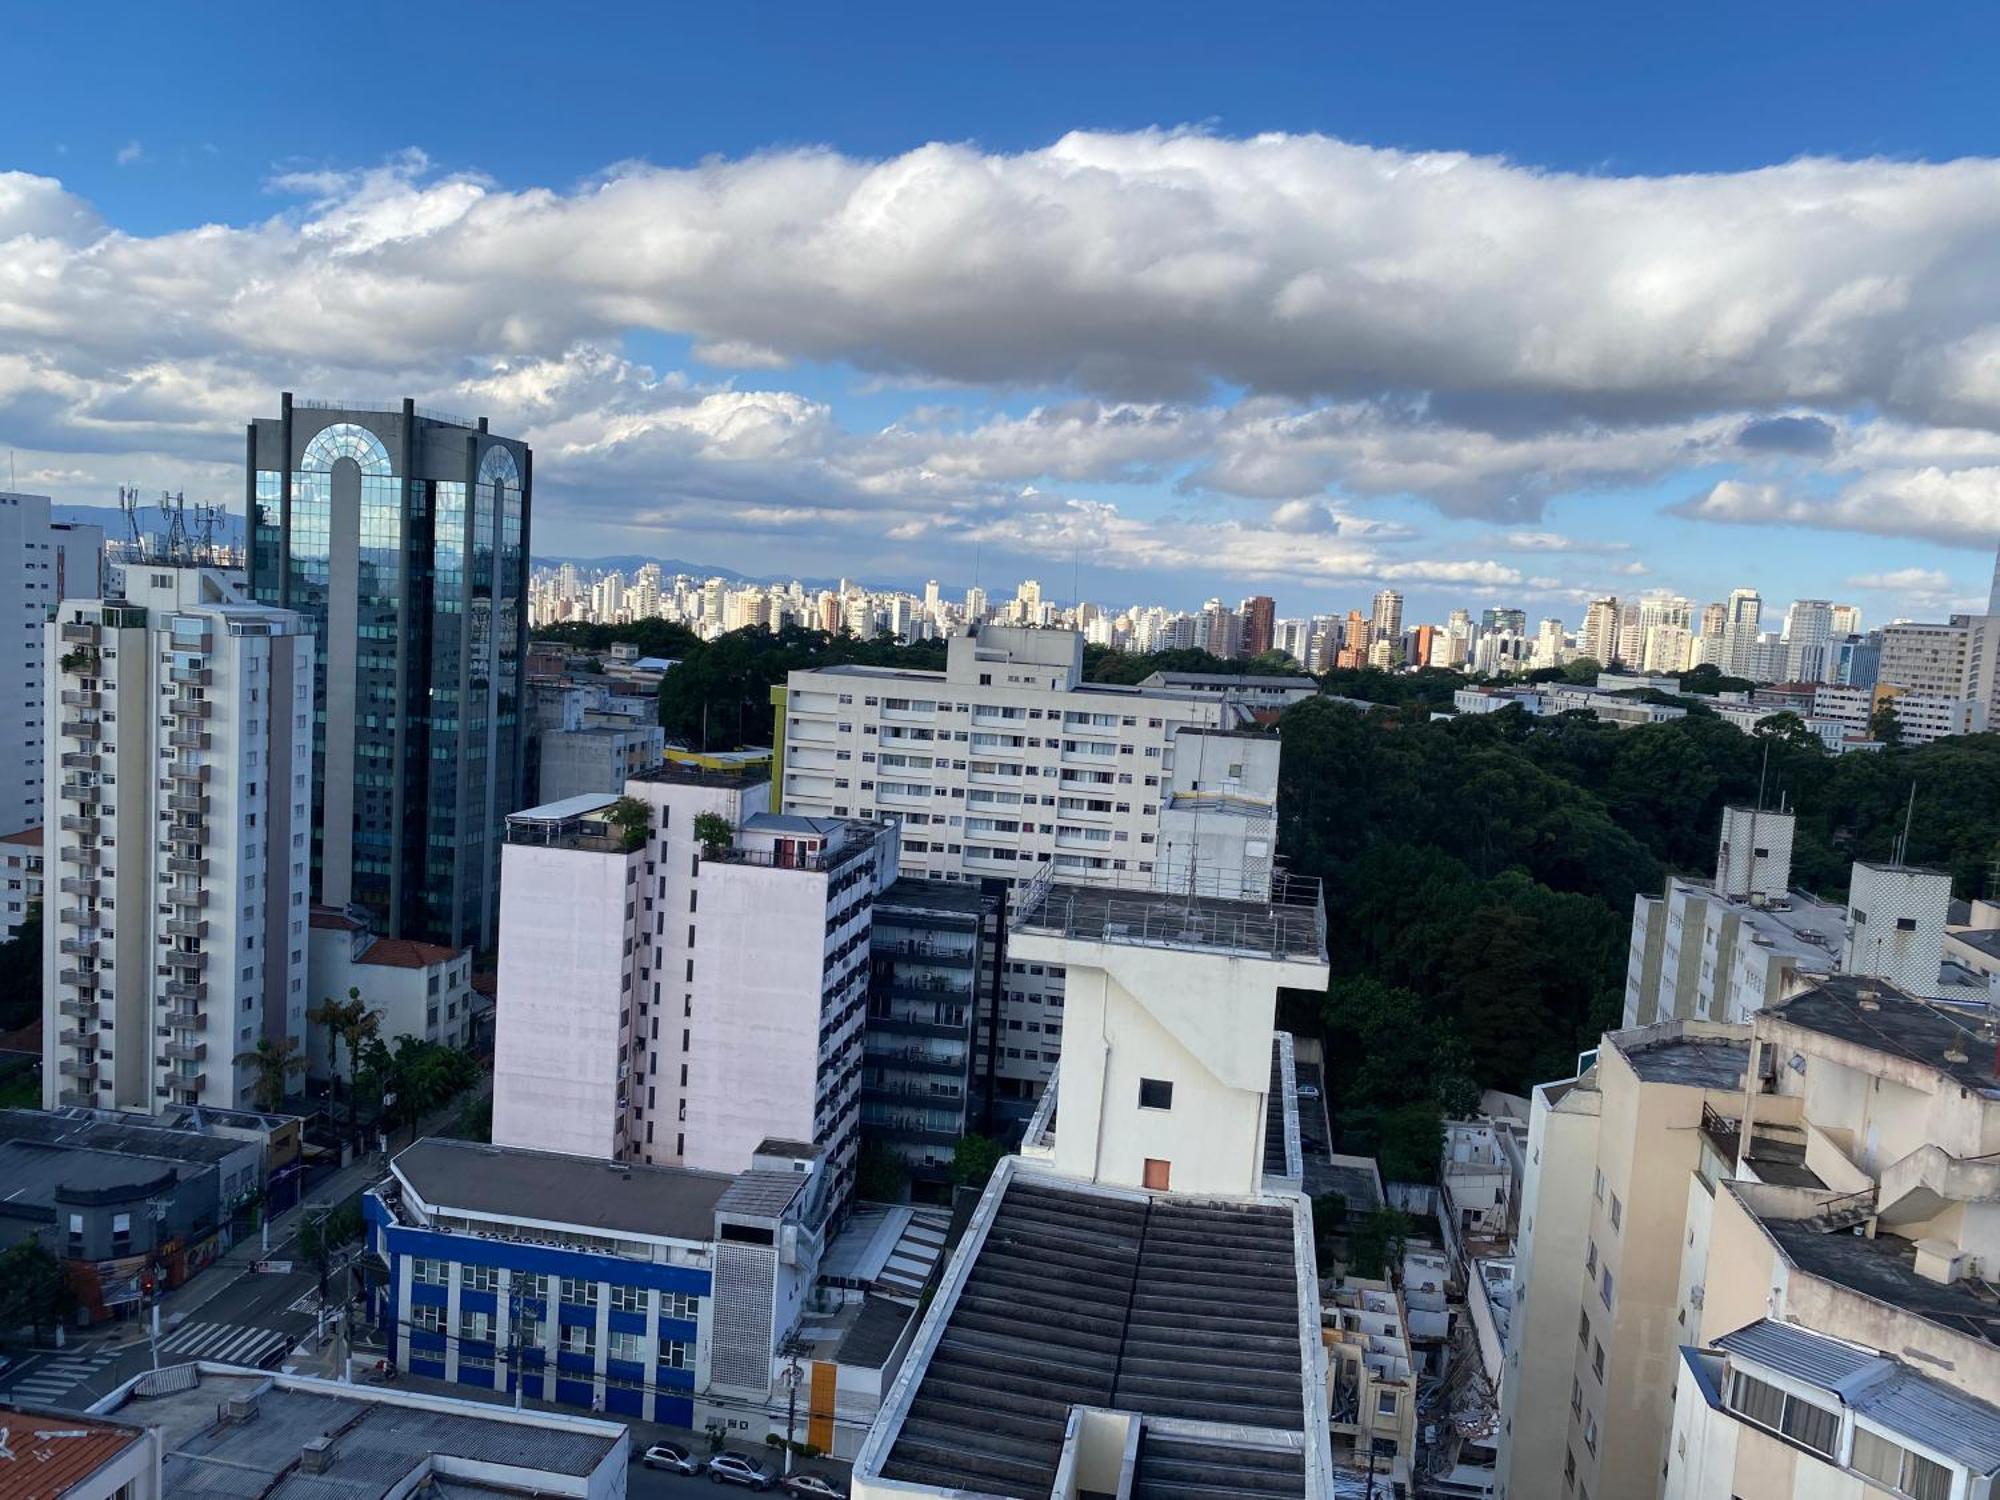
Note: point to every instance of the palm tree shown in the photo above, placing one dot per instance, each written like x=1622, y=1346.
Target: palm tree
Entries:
x=350, y=1023
x=277, y=1063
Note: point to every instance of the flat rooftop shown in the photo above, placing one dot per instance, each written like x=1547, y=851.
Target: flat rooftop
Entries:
x=1290, y=926
x=1884, y=1268
x=1874, y=1014
x=1175, y=1309
x=81, y=1130
x=693, y=773
x=1696, y=1062
x=377, y=1445
x=511, y=1183
x=912, y=893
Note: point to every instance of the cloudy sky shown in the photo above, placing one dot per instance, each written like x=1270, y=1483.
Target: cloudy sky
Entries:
x=1492, y=304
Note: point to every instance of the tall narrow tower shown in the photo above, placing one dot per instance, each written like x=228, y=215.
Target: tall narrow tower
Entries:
x=403, y=536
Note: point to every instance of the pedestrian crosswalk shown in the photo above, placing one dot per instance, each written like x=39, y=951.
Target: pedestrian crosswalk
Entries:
x=48, y=1383
x=224, y=1343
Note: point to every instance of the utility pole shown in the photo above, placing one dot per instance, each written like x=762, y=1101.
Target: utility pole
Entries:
x=792, y=1377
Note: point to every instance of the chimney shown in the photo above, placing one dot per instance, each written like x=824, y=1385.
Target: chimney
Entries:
x=1942, y=1261
x=240, y=1408
x=316, y=1455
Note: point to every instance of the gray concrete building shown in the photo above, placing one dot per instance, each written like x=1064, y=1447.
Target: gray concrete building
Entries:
x=403, y=536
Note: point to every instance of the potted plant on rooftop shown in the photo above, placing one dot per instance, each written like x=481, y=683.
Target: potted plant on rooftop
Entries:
x=713, y=833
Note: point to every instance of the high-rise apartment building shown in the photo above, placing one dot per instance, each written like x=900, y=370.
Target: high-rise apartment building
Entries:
x=402, y=535
x=1957, y=659
x=1808, y=638
x=682, y=995
x=1993, y=598
x=1385, y=618
x=1742, y=621
x=1599, y=638
x=1008, y=763
x=42, y=563
x=1259, y=612
x=1515, y=620
x=178, y=809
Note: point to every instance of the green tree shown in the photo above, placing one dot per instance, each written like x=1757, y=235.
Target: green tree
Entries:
x=1885, y=724
x=713, y=833
x=277, y=1063
x=633, y=818
x=1375, y=1244
x=349, y=1023
x=34, y=1292
x=21, y=972
x=973, y=1160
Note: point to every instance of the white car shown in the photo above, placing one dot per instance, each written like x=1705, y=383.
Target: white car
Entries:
x=731, y=1467
x=671, y=1456
x=810, y=1487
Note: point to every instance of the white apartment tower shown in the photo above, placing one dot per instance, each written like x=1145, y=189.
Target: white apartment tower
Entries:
x=179, y=794
x=1008, y=765
x=1742, y=618
x=42, y=563
x=678, y=1001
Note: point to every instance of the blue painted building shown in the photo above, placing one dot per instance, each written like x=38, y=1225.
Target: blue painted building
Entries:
x=593, y=1284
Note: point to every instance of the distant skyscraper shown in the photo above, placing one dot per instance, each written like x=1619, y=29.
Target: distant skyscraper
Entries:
x=1743, y=616
x=975, y=605
x=1385, y=619
x=1599, y=638
x=1846, y=620
x=1515, y=620
x=1808, y=630
x=1259, y=613
x=403, y=537
x=1993, y=598
x=42, y=562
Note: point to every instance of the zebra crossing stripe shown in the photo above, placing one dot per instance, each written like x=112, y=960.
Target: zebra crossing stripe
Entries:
x=224, y=1343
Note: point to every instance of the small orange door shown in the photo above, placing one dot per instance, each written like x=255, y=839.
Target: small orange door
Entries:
x=1156, y=1174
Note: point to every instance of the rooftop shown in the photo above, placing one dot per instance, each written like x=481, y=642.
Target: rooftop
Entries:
x=39, y=1177
x=1268, y=682
x=513, y=1183
x=1874, y=1014
x=1175, y=1309
x=912, y=893
x=44, y=1454
x=28, y=837
x=1884, y=1268
x=83, y=1129
x=1888, y=1392
x=693, y=773
x=1668, y=1054
x=1291, y=925
x=406, y=953
x=1984, y=939
x=379, y=1441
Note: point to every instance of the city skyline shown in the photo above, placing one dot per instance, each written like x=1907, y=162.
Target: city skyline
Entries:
x=1265, y=330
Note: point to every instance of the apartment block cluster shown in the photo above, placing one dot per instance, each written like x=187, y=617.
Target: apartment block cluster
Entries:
x=254, y=791
x=1756, y=1244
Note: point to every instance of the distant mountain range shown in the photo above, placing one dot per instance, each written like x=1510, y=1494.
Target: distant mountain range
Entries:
x=152, y=521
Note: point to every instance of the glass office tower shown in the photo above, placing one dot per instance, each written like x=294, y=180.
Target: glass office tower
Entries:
x=403, y=536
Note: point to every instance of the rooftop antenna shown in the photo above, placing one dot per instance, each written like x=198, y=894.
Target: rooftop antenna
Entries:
x=128, y=502
x=174, y=504
x=1909, y=815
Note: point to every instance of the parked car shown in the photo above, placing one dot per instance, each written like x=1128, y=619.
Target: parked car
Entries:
x=810, y=1487
x=671, y=1456
x=1308, y=1091
x=731, y=1467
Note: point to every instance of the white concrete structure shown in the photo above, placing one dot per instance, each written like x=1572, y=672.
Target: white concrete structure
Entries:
x=179, y=788
x=1895, y=924
x=1008, y=764
x=42, y=563
x=21, y=864
x=415, y=989
x=1753, y=857
x=681, y=1001
x=597, y=758
x=569, y=932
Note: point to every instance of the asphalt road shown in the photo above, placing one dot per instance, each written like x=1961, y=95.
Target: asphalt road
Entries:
x=661, y=1484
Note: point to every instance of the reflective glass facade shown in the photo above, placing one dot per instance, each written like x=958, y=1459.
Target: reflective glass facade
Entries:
x=402, y=537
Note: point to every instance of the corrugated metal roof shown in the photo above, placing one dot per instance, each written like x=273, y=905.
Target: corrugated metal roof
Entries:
x=1811, y=1357
x=1891, y=1395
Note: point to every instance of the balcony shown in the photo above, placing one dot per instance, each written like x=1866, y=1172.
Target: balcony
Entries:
x=187, y=802
x=83, y=1012
x=79, y=947
x=80, y=760
x=188, y=993
x=186, y=927
x=81, y=854
x=79, y=885
x=80, y=978
x=77, y=822
x=78, y=633
x=181, y=864
x=910, y=1026
x=188, y=900
x=188, y=739
x=81, y=729
x=186, y=1051
x=191, y=708
x=191, y=676
x=71, y=1067
x=915, y=1060
x=193, y=775
x=76, y=790
x=77, y=1097
x=189, y=1083
x=187, y=963
x=77, y=916
x=80, y=697
x=71, y=1036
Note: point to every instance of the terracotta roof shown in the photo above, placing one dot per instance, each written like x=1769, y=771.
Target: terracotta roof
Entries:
x=49, y=1453
x=31, y=837
x=405, y=953
x=331, y=917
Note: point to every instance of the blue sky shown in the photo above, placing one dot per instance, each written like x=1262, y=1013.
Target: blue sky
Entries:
x=1494, y=304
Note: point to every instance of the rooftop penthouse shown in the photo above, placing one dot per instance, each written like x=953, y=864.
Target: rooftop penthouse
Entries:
x=1092, y=1339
